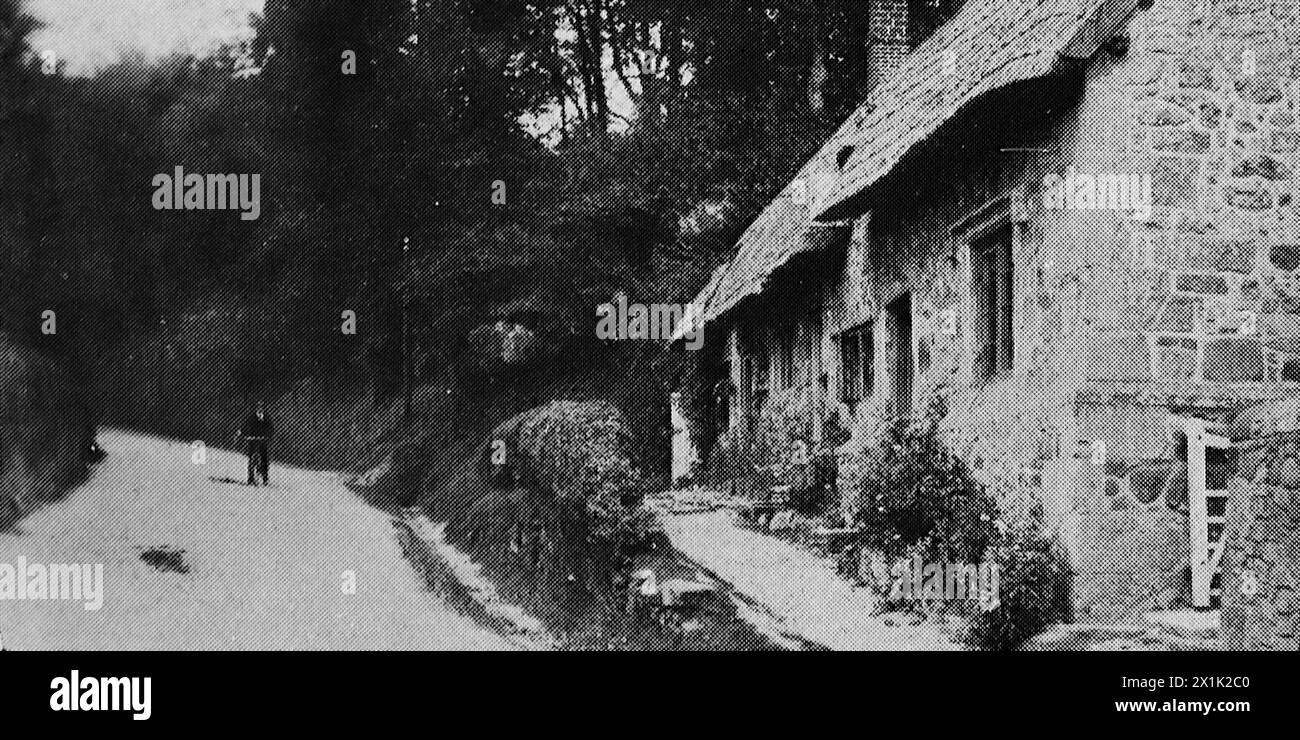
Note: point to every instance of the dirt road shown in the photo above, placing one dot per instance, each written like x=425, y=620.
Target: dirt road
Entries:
x=261, y=568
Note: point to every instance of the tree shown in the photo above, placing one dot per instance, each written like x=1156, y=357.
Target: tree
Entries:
x=24, y=191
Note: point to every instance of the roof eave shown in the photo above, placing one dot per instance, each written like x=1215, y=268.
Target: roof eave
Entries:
x=1105, y=21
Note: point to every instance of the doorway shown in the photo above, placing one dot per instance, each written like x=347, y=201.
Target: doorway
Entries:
x=898, y=353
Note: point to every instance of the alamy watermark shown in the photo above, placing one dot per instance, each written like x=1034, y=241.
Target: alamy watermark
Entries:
x=658, y=321
x=915, y=580
x=24, y=581
x=194, y=192
x=1081, y=191
x=77, y=693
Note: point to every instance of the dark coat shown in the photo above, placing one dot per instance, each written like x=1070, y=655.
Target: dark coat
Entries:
x=255, y=427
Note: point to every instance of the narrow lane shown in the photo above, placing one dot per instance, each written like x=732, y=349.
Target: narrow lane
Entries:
x=265, y=568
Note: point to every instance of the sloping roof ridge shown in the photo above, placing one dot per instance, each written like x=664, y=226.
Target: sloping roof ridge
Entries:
x=1037, y=39
x=1033, y=51
x=903, y=111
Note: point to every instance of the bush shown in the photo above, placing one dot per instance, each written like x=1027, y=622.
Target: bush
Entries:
x=916, y=492
x=575, y=458
x=1033, y=590
x=558, y=518
x=47, y=436
x=576, y=452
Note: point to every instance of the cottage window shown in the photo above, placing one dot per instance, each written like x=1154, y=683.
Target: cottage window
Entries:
x=992, y=299
x=857, y=370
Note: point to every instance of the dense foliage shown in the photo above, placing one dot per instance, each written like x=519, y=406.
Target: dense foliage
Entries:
x=919, y=500
x=916, y=492
x=632, y=141
x=46, y=432
x=1033, y=590
x=571, y=451
x=556, y=513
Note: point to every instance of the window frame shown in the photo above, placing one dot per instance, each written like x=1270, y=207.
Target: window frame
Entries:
x=1000, y=213
x=863, y=336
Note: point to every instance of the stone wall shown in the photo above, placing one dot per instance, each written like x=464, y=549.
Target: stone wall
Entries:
x=1128, y=522
x=1261, y=558
x=1128, y=532
x=1261, y=561
x=1203, y=103
x=1190, y=311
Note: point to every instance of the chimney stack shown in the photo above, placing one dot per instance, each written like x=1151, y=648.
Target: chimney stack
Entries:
x=888, y=39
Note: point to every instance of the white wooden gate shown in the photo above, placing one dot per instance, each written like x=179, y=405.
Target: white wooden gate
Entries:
x=1206, y=507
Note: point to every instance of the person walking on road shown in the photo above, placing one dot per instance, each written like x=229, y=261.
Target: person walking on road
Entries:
x=256, y=433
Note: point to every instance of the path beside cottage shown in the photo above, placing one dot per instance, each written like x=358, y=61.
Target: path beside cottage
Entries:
x=801, y=591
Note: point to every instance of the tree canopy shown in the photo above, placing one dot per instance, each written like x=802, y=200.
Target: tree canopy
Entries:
x=480, y=163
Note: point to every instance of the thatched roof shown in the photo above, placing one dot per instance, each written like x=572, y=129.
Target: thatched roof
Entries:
x=988, y=45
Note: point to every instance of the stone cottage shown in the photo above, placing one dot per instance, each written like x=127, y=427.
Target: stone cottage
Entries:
x=1073, y=220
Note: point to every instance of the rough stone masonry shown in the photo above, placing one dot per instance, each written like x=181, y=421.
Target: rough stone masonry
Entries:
x=1261, y=558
